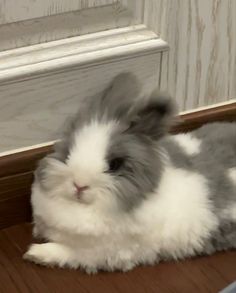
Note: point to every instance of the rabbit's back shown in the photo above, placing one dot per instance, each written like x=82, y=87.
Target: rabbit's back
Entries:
x=218, y=143
x=211, y=152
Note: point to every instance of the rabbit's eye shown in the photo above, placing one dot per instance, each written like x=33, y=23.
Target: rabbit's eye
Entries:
x=115, y=164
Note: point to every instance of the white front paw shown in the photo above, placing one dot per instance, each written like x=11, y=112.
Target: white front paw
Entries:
x=37, y=254
x=50, y=254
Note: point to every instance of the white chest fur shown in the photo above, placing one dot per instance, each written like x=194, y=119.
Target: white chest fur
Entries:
x=174, y=222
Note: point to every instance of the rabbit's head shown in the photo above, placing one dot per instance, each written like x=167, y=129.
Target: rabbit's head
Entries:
x=109, y=155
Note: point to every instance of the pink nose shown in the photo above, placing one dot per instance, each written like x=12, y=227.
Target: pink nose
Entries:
x=80, y=189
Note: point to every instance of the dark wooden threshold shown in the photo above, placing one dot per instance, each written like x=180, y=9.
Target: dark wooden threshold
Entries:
x=16, y=170
x=196, y=119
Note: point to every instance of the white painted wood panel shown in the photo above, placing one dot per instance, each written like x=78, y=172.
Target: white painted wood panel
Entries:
x=200, y=68
x=32, y=111
x=18, y=10
x=80, y=51
x=52, y=51
x=97, y=17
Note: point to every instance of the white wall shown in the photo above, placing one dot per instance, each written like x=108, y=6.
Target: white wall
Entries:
x=200, y=68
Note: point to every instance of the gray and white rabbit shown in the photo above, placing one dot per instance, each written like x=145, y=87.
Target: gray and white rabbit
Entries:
x=118, y=191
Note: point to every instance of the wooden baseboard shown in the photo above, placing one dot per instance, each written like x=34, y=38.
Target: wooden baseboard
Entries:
x=196, y=119
x=16, y=170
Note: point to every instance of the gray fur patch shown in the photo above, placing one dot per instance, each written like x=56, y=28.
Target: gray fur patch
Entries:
x=154, y=117
x=217, y=155
x=140, y=172
x=222, y=239
x=151, y=117
x=114, y=103
x=178, y=157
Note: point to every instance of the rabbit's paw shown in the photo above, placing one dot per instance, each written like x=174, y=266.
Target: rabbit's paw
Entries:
x=48, y=254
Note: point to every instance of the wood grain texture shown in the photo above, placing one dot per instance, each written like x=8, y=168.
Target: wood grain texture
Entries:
x=16, y=170
x=196, y=119
x=203, y=274
x=22, y=162
x=15, y=210
x=13, y=11
x=36, y=21
x=81, y=50
x=200, y=68
x=33, y=110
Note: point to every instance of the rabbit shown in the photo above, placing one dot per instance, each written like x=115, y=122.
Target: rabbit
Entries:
x=119, y=191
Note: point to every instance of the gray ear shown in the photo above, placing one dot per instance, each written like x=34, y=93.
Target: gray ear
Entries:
x=119, y=97
x=155, y=117
x=115, y=102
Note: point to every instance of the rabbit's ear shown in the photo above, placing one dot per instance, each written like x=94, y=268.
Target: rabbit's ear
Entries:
x=155, y=117
x=119, y=97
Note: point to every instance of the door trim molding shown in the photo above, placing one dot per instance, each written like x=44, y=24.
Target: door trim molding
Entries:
x=82, y=51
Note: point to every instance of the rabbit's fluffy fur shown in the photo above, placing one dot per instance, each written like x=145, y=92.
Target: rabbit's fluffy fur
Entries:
x=150, y=196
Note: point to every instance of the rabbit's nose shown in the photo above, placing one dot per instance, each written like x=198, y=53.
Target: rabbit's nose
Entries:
x=80, y=189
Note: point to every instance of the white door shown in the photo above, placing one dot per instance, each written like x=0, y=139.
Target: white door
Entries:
x=53, y=52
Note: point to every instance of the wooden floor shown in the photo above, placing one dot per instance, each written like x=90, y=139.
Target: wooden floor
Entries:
x=205, y=274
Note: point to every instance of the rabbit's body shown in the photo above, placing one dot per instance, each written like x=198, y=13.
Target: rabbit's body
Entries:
x=166, y=197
